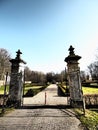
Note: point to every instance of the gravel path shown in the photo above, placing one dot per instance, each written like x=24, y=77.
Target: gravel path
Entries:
x=56, y=118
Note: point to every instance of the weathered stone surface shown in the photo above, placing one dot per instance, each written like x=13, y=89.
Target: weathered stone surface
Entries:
x=16, y=85
x=74, y=77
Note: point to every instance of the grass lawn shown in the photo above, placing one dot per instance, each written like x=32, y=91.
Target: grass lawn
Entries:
x=90, y=119
x=36, y=89
x=33, y=87
x=88, y=90
x=2, y=89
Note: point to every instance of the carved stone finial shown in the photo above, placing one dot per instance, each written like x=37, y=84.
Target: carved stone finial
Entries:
x=71, y=50
x=72, y=56
x=18, y=54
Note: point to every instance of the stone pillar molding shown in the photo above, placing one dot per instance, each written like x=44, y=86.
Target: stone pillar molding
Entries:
x=15, y=89
x=76, y=96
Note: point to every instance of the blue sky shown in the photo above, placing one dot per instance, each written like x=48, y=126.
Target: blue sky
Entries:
x=44, y=29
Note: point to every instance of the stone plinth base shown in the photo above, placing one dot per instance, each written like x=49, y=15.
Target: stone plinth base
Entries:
x=13, y=103
x=77, y=103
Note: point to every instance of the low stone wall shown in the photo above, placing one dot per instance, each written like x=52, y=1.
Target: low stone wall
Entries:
x=2, y=98
x=91, y=99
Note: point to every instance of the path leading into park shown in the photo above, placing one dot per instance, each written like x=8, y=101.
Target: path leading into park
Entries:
x=42, y=118
x=49, y=96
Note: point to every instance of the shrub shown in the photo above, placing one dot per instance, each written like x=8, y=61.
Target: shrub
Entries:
x=29, y=93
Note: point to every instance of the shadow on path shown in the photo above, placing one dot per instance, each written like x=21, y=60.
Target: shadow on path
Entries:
x=46, y=106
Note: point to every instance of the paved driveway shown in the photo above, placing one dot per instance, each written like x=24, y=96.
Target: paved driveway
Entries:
x=52, y=97
x=42, y=118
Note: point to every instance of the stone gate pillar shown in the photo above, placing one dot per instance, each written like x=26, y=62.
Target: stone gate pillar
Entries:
x=76, y=97
x=15, y=89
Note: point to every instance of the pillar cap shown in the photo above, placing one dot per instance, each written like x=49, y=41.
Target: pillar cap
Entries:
x=18, y=58
x=72, y=56
x=18, y=54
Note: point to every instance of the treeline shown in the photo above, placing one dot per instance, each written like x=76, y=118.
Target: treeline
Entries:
x=30, y=75
x=41, y=78
x=5, y=65
x=91, y=74
x=93, y=70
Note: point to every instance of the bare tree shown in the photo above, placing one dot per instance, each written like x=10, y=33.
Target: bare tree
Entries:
x=28, y=73
x=4, y=62
x=93, y=69
x=83, y=76
x=34, y=76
